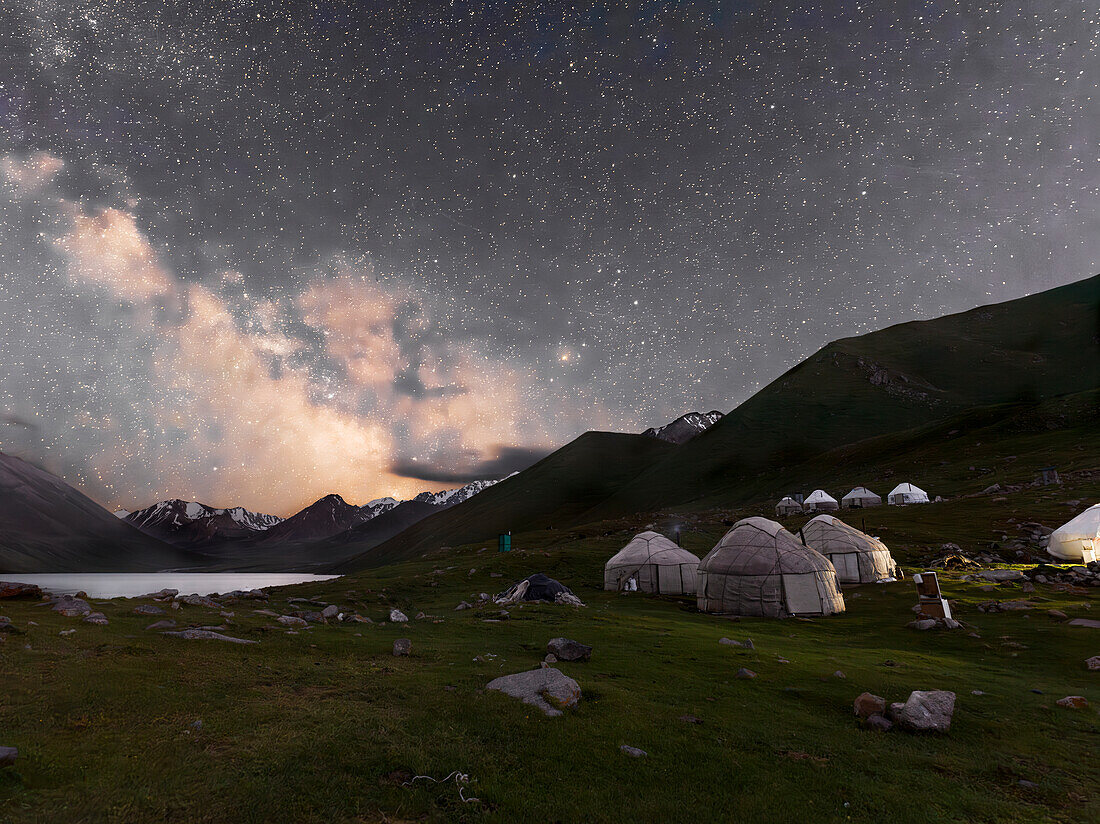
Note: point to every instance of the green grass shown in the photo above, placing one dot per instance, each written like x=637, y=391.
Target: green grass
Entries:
x=313, y=727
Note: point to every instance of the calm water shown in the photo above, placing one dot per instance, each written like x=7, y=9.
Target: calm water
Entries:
x=132, y=584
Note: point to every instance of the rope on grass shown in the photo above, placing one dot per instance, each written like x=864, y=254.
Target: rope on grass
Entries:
x=459, y=777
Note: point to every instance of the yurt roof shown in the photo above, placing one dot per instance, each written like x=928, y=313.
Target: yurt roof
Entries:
x=759, y=546
x=1086, y=524
x=907, y=487
x=861, y=492
x=652, y=547
x=827, y=528
x=819, y=495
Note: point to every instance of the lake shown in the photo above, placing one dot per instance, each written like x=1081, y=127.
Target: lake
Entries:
x=133, y=584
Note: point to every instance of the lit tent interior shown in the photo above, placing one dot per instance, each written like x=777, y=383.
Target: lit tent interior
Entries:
x=759, y=568
x=655, y=565
x=857, y=557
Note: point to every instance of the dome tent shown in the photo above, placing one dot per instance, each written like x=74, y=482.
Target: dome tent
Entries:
x=539, y=587
x=1079, y=538
x=759, y=568
x=820, y=501
x=906, y=493
x=655, y=564
x=788, y=506
x=859, y=498
x=857, y=557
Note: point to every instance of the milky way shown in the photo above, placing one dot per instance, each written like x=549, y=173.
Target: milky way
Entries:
x=256, y=252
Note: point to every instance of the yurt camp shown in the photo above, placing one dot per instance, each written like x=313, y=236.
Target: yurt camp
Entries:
x=1078, y=539
x=759, y=568
x=860, y=498
x=652, y=563
x=820, y=501
x=857, y=557
x=788, y=506
x=906, y=493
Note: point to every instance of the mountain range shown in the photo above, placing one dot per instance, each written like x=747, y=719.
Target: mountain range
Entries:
x=911, y=398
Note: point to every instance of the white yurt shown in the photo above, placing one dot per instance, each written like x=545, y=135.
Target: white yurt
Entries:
x=1079, y=539
x=652, y=563
x=820, y=501
x=788, y=506
x=759, y=568
x=857, y=557
x=860, y=498
x=906, y=493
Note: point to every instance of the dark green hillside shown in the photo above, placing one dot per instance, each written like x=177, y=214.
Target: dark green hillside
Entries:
x=554, y=492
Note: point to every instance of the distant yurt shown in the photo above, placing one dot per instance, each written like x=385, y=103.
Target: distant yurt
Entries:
x=857, y=557
x=906, y=493
x=1079, y=539
x=820, y=501
x=759, y=568
x=652, y=563
x=788, y=506
x=860, y=498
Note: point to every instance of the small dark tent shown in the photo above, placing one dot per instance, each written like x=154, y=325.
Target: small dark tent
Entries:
x=539, y=587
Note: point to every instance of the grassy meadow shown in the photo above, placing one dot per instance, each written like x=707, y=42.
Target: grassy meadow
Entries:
x=328, y=726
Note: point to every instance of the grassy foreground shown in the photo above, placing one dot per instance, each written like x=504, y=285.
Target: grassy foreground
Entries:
x=326, y=725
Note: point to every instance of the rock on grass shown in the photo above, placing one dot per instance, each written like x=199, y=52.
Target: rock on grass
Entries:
x=927, y=711
x=547, y=688
x=206, y=635
x=8, y=756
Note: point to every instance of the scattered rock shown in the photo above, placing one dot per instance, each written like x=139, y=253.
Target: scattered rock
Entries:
x=402, y=646
x=67, y=632
x=464, y=605
x=928, y=711
x=1093, y=663
x=691, y=719
x=745, y=673
x=71, y=606
x=548, y=689
x=159, y=625
x=550, y=658
x=148, y=609
x=163, y=595
x=1073, y=702
x=8, y=756
x=1030, y=785
x=195, y=600
x=1085, y=622
x=839, y=674
x=97, y=618
x=330, y=612
x=999, y=576
x=922, y=624
x=633, y=752
x=566, y=649
x=206, y=635
x=7, y=626
x=292, y=621
x=14, y=589
x=746, y=644
x=868, y=704
x=878, y=722
x=398, y=617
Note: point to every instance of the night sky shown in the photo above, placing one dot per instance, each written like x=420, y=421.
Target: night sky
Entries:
x=255, y=252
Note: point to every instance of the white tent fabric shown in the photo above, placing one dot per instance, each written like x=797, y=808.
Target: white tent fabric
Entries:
x=1078, y=539
x=857, y=557
x=788, y=506
x=759, y=568
x=654, y=564
x=906, y=493
x=859, y=498
x=820, y=501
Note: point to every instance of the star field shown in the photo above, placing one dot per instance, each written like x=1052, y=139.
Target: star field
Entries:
x=432, y=231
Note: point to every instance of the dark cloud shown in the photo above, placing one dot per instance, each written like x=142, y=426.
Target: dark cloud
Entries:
x=465, y=467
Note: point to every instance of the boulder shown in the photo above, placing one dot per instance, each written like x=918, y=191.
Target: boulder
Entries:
x=148, y=609
x=1073, y=702
x=292, y=621
x=878, y=722
x=922, y=624
x=206, y=635
x=1093, y=663
x=565, y=649
x=1085, y=622
x=402, y=646
x=868, y=704
x=398, y=617
x=97, y=618
x=14, y=589
x=548, y=689
x=330, y=612
x=927, y=711
x=162, y=595
x=195, y=600
x=463, y=605
x=1057, y=614
x=746, y=644
x=999, y=576
x=8, y=756
x=633, y=752
x=159, y=625
x=7, y=626
x=72, y=607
